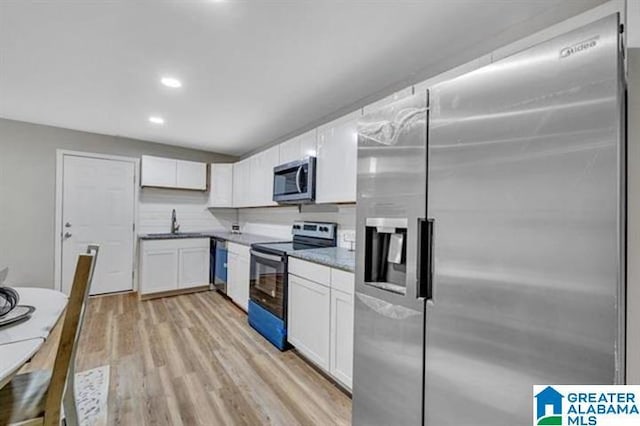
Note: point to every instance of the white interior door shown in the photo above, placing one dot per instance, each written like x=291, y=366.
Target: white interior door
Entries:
x=98, y=207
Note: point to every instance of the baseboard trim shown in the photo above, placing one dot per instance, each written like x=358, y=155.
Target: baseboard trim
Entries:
x=172, y=293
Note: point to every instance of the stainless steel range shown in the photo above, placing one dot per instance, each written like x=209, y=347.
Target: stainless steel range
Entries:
x=268, y=279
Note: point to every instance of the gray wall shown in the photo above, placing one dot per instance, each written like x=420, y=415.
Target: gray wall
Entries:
x=27, y=189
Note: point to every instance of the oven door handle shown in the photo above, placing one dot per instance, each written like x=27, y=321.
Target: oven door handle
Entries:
x=298, y=174
x=266, y=256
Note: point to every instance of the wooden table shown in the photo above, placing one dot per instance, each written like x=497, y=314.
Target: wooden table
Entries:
x=20, y=342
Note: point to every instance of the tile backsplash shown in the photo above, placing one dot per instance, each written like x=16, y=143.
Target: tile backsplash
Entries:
x=154, y=211
x=277, y=221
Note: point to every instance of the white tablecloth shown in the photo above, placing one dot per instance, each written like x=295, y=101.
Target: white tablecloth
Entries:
x=20, y=342
x=49, y=305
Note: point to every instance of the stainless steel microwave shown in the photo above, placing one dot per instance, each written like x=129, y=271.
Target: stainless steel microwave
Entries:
x=295, y=182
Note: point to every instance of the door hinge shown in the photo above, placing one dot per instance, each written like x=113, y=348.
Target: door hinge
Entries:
x=134, y=227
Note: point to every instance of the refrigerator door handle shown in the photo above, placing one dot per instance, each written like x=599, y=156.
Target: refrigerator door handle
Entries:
x=425, y=258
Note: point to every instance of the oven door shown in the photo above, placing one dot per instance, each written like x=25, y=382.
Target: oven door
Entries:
x=268, y=282
x=295, y=182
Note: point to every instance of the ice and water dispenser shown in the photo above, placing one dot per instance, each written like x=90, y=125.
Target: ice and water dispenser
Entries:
x=386, y=254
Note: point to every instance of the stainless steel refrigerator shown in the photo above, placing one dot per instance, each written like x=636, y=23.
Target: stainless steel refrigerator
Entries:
x=491, y=220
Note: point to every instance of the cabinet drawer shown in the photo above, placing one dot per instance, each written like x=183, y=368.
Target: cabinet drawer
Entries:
x=239, y=249
x=311, y=271
x=176, y=244
x=342, y=280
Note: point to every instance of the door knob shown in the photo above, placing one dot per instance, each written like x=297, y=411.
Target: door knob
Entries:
x=67, y=234
x=67, y=225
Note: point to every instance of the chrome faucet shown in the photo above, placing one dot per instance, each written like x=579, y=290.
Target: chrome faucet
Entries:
x=174, y=222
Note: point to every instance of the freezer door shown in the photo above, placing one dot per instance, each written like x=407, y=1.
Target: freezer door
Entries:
x=389, y=314
x=525, y=165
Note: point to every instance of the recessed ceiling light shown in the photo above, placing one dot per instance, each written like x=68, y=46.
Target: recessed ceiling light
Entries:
x=156, y=120
x=174, y=83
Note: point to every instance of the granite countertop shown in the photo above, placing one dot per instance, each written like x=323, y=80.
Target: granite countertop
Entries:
x=335, y=257
x=244, y=239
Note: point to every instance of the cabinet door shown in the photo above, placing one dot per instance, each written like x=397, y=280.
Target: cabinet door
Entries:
x=191, y=175
x=342, y=337
x=290, y=150
x=194, y=267
x=241, y=183
x=308, y=319
x=298, y=148
x=157, y=171
x=158, y=270
x=257, y=166
x=337, y=160
x=242, y=295
x=271, y=160
x=232, y=272
x=221, y=187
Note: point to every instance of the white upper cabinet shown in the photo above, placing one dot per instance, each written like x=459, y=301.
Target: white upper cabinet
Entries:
x=337, y=160
x=221, y=187
x=271, y=160
x=261, y=179
x=157, y=171
x=298, y=148
x=241, y=183
x=389, y=99
x=191, y=175
x=171, y=173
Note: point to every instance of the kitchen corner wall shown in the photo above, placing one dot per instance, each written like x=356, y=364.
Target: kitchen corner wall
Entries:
x=277, y=221
x=27, y=194
x=154, y=211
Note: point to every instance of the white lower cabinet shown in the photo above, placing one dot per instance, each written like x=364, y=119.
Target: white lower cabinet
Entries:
x=174, y=264
x=158, y=268
x=308, y=319
x=320, y=317
x=238, y=271
x=194, y=267
x=341, y=355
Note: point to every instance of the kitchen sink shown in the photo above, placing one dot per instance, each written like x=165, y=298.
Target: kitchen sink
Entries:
x=176, y=235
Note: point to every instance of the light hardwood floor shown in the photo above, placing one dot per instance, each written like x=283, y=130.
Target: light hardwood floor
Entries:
x=194, y=360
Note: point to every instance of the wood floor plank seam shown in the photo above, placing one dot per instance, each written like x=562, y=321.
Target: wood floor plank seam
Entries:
x=193, y=360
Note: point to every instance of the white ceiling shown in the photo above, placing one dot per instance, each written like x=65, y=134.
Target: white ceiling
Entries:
x=253, y=71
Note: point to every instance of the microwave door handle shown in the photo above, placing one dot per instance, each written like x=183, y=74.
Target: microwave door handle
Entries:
x=298, y=174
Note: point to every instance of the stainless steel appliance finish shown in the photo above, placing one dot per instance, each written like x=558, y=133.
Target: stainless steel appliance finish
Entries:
x=389, y=316
x=525, y=166
x=295, y=182
x=268, y=282
x=514, y=273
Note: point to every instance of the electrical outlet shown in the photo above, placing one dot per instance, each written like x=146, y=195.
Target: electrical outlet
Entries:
x=349, y=237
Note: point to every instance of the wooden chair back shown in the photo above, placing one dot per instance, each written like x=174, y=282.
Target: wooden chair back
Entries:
x=65, y=356
x=70, y=407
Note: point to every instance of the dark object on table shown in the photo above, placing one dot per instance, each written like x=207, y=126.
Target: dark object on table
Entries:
x=9, y=298
x=19, y=313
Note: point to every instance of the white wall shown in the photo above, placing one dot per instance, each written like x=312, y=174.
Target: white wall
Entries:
x=277, y=221
x=27, y=192
x=154, y=211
